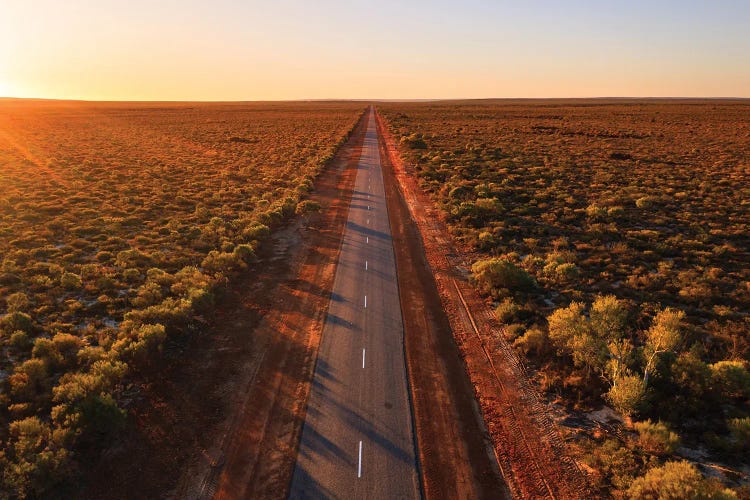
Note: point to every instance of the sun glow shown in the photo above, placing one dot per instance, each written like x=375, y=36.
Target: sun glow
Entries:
x=4, y=89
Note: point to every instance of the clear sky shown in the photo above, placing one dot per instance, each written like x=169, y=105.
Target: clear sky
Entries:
x=291, y=49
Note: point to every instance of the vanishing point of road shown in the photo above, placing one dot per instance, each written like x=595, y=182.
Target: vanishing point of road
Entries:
x=357, y=440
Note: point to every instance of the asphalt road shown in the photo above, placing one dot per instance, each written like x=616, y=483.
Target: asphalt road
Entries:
x=357, y=440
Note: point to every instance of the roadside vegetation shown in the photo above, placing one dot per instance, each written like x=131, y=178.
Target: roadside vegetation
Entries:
x=119, y=226
x=614, y=240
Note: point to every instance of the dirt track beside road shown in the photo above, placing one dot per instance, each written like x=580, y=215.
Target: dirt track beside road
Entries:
x=455, y=451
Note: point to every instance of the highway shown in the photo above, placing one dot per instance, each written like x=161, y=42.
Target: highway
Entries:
x=357, y=440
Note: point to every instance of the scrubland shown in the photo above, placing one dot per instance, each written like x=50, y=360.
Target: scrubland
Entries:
x=614, y=239
x=119, y=225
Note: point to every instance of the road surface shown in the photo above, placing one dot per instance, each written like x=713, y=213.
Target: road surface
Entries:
x=357, y=440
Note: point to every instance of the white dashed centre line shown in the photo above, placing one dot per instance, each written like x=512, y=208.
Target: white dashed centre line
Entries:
x=365, y=265
x=363, y=357
x=365, y=301
x=359, y=466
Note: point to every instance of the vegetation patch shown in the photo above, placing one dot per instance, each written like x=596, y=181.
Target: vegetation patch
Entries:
x=613, y=238
x=119, y=226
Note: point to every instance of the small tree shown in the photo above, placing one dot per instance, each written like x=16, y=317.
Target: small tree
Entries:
x=597, y=342
x=664, y=336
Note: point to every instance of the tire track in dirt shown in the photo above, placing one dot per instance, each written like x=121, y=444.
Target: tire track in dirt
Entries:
x=529, y=448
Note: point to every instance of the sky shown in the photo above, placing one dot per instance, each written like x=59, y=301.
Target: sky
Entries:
x=384, y=49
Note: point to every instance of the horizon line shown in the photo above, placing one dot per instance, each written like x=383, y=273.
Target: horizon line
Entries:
x=357, y=99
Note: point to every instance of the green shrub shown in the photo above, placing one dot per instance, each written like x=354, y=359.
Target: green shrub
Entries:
x=656, y=438
x=596, y=211
x=16, y=321
x=676, y=481
x=414, y=141
x=148, y=294
x=307, y=207
x=70, y=281
x=492, y=274
x=245, y=253
x=739, y=430
x=512, y=332
x=731, y=379
x=644, y=202
x=17, y=302
x=29, y=380
x=486, y=240
x=533, y=341
x=37, y=461
x=507, y=310
x=145, y=341
x=255, y=232
x=131, y=275
x=20, y=341
x=626, y=394
x=616, y=462
x=104, y=257
x=222, y=262
x=101, y=417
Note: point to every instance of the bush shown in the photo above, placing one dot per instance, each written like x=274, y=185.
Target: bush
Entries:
x=222, y=262
x=731, y=379
x=486, y=240
x=245, y=253
x=414, y=141
x=145, y=341
x=676, y=481
x=256, y=232
x=36, y=460
x=495, y=273
x=506, y=311
x=739, y=430
x=70, y=281
x=626, y=394
x=131, y=275
x=20, y=341
x=595, y=211
x=566, y=272
x=616, y=462
x=656, y=438
x=16, y=321
x=307, y=207
x=644, y=202
x=534, y=340
x=101, y=417
x=149, y=293
x=29, y=380
x=17, y=302
x=513, y=331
